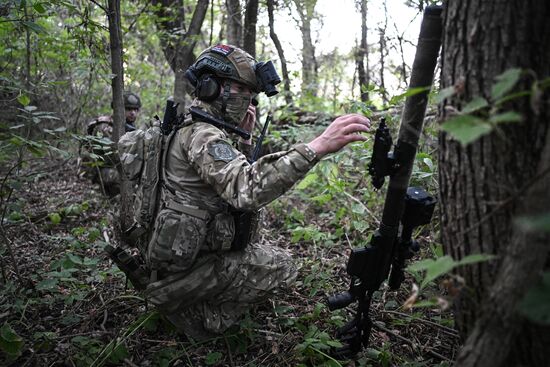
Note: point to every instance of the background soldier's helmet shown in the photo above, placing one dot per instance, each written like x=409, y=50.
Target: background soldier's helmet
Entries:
x=229, y=62
x=131, y=100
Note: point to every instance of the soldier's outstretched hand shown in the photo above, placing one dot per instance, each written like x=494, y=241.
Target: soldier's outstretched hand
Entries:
x=342, y=131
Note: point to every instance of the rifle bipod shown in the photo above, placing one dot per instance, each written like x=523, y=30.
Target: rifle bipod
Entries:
x=355, y=334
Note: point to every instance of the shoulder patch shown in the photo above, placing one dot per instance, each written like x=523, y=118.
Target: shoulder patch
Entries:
x=222, y=49
x=222, y=151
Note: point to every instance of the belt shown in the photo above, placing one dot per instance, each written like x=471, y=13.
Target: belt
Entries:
x=192, y=210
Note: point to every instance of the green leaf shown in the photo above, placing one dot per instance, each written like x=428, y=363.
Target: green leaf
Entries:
x=539, y=223
x=441, y=266
x=420, y=265
x=74, y=258
x=39, y=8
x=10, y=342
x=213, y=358
x=36, y=28
x=55, y=218
x=118, y=354
x=24, y=99
x=322, y=199
x=475, y=258
x=505, y=82
x=428, y=162
x=444, y=94
x=410, y=92
x=425, y=303
x=334, y=343
x=509, y=116
x=437, y=249
x=308, y=180
x=466, y=128
x=534, y=305
x=47, y=284
x=475, y=105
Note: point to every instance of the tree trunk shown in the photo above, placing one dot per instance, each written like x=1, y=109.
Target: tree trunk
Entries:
x=178, y=42
x=487, y=185
x=28, y=51
x=279, y=47
x=250, y=19
x=363, y=55
x=234, y=23
x=306, y=11
x=119, y=121
x=383, y=52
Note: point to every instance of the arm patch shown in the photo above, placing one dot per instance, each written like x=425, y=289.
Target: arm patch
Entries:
x=222, y=151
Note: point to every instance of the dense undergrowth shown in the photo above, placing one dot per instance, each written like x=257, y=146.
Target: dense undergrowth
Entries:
x=63, y=303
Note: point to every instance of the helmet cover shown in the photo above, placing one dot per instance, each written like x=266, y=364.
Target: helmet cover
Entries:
x=131, y=100
x=228, y=62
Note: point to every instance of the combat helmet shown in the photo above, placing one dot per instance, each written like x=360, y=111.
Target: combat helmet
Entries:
x=230, y=62
x=131, y=100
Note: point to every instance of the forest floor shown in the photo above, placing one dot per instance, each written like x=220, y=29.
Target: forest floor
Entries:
x=63, y=302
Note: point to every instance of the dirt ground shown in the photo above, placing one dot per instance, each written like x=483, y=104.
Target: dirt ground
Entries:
x=89, y=316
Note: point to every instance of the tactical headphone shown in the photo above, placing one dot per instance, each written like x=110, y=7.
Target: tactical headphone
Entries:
x=207, y=88
x=202, y=76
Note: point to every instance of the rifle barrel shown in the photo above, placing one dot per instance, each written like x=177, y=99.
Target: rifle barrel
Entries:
x=412, y=119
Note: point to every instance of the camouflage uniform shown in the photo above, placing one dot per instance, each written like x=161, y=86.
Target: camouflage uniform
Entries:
x=203, y=286
x=198, y=281
x=103, y=171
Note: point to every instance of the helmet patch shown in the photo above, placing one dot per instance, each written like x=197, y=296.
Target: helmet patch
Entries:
x=222, y=49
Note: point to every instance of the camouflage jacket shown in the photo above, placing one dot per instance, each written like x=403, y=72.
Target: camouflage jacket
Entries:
x=104, y=125
x=204, y=176
x=100, y=142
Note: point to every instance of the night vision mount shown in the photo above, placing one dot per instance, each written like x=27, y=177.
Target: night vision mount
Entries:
x=267, y=78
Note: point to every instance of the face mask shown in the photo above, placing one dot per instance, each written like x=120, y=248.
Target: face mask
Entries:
x=235, y=110
x=237, y=105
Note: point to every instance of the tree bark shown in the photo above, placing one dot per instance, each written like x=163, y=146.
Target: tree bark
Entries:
x=280, y=52
x=119, y=121
x=250, y=20
x=487, y=185
x=178, y=42
x=363, y=55
x=234, y=23
x=306, y=11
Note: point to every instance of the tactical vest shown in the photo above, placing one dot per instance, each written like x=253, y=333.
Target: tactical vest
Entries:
x=143, y=156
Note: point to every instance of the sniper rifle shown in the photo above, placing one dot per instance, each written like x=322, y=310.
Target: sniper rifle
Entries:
x=405, y=207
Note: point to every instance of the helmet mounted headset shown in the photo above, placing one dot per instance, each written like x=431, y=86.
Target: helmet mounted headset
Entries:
x=231, y=64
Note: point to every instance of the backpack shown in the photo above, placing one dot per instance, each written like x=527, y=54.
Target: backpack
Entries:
x=141, y=155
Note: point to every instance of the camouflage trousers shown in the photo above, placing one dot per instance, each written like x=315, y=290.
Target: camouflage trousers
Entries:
x=106, y=176
x=110, y=179
x=220, y=287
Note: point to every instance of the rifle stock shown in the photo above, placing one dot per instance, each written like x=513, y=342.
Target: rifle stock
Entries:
x=246, y=222
x=370, y=266
x=169, y=120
